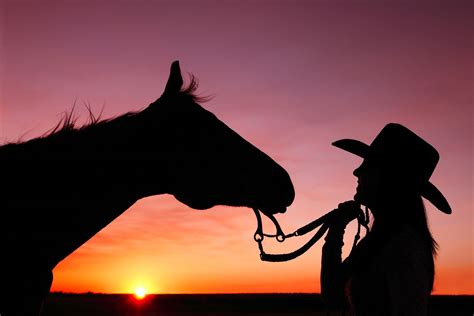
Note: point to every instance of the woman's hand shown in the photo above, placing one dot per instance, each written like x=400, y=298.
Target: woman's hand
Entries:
x=333, y=271
x=345, y=213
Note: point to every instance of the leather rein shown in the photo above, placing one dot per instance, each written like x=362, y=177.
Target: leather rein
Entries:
x=324, y=221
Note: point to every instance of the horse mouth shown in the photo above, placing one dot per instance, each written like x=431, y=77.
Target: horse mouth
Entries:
x=272, y=209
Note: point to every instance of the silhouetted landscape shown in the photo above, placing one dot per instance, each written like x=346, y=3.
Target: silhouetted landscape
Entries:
x=218, y=304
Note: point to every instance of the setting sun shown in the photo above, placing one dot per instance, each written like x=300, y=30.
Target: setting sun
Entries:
x=140, y=293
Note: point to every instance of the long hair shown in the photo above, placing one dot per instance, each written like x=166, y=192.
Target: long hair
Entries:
x=418, y=220
x=408, y=209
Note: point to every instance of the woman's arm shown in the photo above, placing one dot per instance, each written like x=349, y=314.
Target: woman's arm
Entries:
x=332, y=282
x=334, y=274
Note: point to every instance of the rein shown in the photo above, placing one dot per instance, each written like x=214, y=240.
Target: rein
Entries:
x=324, y=221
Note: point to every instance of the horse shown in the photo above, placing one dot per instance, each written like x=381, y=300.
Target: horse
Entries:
x=62, y=188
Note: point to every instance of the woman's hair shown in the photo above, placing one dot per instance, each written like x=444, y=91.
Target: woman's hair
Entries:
x=406, y=209
x=420, y=223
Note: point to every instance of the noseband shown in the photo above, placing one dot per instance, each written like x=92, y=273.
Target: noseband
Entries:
x=324, y=221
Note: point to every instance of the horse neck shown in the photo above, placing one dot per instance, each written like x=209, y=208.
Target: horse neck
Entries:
x=106, y=154
x=141, y=162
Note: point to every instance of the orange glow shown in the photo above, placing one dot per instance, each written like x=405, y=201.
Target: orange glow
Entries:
x=294, y=88
x=140, y=293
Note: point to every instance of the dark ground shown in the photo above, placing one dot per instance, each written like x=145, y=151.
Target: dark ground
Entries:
x=217, y=304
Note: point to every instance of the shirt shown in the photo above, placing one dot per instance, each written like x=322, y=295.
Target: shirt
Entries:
x=387, y=274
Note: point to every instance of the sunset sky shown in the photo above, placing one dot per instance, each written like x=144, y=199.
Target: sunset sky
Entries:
x=289, y=76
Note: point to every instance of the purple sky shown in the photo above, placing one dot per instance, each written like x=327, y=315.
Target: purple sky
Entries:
x=289, y=76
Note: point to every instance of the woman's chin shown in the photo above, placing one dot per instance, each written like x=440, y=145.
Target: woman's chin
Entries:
x=359, y=199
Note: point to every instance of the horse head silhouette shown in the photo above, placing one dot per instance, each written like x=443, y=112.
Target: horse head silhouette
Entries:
x=210, y=163
x=63, y=188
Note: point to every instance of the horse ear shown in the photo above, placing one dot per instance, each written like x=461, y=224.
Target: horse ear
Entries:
x=175, y=81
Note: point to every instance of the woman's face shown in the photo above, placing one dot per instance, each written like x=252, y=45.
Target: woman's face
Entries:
x=369, y=186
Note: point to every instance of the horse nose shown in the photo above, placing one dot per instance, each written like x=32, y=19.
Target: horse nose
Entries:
x=278, y=192
x=290, y=189
x=285, y=188
x=274, y=185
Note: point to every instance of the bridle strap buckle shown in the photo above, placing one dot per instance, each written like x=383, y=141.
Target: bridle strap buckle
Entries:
x=323, y=221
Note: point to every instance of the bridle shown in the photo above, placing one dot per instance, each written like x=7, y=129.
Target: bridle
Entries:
x=324, y=221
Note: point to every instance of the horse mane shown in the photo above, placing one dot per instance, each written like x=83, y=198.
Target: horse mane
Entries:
x=68, y=121
x=190, y=91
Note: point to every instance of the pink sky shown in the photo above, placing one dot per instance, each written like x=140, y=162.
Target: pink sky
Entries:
x=290, y=77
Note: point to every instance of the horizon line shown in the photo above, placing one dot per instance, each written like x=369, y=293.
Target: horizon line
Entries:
x=227, y=293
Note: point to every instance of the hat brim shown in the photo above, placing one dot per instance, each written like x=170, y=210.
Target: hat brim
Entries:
x=432, y=194
x=429, y=191
x=353, y=146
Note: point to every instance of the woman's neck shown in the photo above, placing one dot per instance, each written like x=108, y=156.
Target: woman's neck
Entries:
x=387, y=215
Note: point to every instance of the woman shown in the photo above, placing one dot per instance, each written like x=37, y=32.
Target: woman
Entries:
x=391, y=271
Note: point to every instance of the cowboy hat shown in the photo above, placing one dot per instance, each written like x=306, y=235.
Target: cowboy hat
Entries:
x=408, y=155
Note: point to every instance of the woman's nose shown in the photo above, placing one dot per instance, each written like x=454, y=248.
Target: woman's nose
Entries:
x=357, y=171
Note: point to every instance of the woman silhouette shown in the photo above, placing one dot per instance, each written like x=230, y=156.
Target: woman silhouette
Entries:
x=391, y=271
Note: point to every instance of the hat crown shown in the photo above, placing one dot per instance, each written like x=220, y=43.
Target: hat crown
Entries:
x=405, y=155
x=398, y=148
